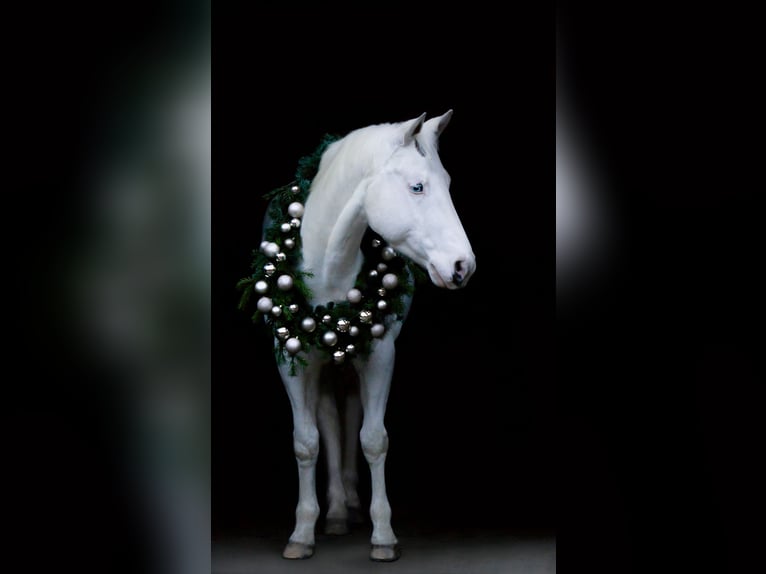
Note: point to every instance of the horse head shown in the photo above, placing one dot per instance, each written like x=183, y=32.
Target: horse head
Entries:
x=407, y=202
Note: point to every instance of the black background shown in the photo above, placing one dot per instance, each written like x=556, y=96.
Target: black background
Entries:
x=471, y=408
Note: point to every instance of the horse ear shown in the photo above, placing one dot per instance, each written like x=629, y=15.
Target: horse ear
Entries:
x=411, y=128
x=436, y=125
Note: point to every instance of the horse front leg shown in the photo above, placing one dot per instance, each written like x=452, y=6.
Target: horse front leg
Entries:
x=375, y=382
x=303, y=391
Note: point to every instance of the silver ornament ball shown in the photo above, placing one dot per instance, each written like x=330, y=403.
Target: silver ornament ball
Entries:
x=285, y=282
x=276, y=310
x=326, y=319
x=269, y=269
x=382, y=267
x=343, y=325
x=295, y=209
x=350, y=349
x=293, y=345
x=377, y=330
x=365, y=316
x=286, y=228
x=308, y=324
x=281, y=256
x=376, y=242
x=354, y=296
x=330, y=338
x=264, y=304
x=270, y=249
x=390, y=281
x=293, y=308
x=295, y=223
x=338, y=357
x=295, y=189
x=382, y=305
x=282, y=333
x=388, y=253
x=289, y=242
x=261, y=287
x=354, y=331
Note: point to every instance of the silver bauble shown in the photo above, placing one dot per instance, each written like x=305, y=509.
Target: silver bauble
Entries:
x=350, y=349
x=390, y=281
x=270, y=249
x=289, y=242
x=285, y=228
x=295, y=223
x=326, y=319
x=308, y=324
x=261, y=287
x=382, y=292
x=295, y=189
x=293, y=308
x=388, y=253
x=343, y=325
x=354, y=331
x=264, y=304
x=382, y=305
x=373, y=274
x=354, y=295
x=339, y=357
x=282, y=333
x=269, y=269
x=285, y=282
x=382, y=267
x=376, y=242
x=263, y=245
x=293, y=345
x=365, y=316
x=377, y=330
x=281, y=256
x=330, y=338
x=276, y=310
x=295, y=209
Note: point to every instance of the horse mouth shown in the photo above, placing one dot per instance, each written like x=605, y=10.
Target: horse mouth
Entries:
x=439, y=281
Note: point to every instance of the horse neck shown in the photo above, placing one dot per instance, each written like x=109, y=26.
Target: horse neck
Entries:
x=334, y=221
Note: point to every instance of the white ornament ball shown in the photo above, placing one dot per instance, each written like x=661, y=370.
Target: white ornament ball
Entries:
x=271, y=249
x=382, y=305
x=261, y=287
x=289, y=242
x=295, y=209
x=377, y=330
x=264, y=304
x=354, y=296
x=293, y=345
x=388, y=253
x=263, y=245
x=330, y=338
x=390, y=281
x=293, y=307
x=276, y=310
x=354, y=331
x=295, y=189
x=285, y=282
x=308, y=324
x=286, y=228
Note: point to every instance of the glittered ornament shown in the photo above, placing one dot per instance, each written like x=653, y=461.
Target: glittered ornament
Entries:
x=339, y=357
x=281, y=257
x=295, y=223
x=308, y=324
x=285, y=282
x=330, y=338
x=382, y=292
x=354, y=296
x=293, y=345
x=261, y=287
x=264, y=304
x=365, y=316
x=282, y=333
x=269, y=269
x=377, y=330
x=285, y=228
x=388, y=253
x=343, y=325
x=295, y=209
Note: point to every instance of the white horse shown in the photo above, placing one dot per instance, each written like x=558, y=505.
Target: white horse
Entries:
x=387, y=178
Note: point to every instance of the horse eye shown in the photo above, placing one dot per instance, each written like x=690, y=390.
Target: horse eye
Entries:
x=417, y=188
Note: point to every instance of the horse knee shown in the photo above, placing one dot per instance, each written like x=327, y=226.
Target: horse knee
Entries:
x=374, y=443
x=306, y=445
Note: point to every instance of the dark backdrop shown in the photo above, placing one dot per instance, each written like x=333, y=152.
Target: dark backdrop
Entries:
x=470, y=415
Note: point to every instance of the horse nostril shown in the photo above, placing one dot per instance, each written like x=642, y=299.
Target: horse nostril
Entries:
x=458, y=276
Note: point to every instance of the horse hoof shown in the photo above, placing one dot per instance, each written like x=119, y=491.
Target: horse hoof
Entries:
x=385, y=552
x=355, y=516
x=298, y=551
x=336, y=527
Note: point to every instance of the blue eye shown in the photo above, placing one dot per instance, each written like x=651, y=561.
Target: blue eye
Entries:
x=417, y=188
